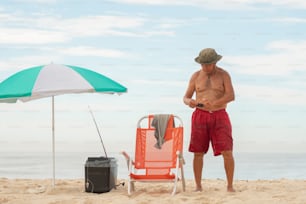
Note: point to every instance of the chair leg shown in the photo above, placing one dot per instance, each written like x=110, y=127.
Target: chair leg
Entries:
x=182, y=162
x=132, y=186
x=129, y=187
x=175, y=186
x=183, y=179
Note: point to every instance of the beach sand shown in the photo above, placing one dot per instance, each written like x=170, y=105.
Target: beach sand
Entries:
x=72, y=191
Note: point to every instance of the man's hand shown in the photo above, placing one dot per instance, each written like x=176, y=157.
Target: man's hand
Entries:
x=192, y=103
x=206, y=103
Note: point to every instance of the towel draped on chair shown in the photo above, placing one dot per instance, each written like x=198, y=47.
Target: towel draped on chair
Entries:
x=161, y=122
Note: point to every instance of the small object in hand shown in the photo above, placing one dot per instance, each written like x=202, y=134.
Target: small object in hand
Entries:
x=200, y=105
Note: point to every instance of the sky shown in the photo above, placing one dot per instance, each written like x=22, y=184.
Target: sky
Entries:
x=149, y=46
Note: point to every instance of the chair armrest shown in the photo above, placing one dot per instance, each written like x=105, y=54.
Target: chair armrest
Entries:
x=180, y=157
x=127, y=158
x=182, y=160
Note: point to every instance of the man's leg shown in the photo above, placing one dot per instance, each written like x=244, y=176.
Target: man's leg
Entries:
x=229, y=165
x=197, y=169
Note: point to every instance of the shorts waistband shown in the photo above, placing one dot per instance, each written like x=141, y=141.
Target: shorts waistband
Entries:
x=216, y=111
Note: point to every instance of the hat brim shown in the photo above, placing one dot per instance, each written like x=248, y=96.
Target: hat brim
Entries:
x=198, y=60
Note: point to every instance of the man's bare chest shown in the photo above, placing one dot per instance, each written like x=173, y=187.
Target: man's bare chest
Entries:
x=209, y=84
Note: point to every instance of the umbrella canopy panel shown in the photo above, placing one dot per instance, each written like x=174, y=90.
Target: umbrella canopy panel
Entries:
x=55, y=79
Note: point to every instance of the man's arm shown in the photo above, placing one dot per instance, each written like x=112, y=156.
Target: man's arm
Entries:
x=229, y=94
x=189, y=93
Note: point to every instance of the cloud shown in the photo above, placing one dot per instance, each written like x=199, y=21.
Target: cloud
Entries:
x=36, y=1
x=283, y=60
x=288, y=46
x=30, y=36
x=96, y=25
x=288, y=20
x=280, y=58
x=18, y=63
x=283, y=3
x=92, y=51
x=273, y=95
x=165, y=83
x=42, y=29
x=221, y=4
x=156, y=2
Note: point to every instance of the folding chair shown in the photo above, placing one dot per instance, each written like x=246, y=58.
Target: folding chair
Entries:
x=153, y=164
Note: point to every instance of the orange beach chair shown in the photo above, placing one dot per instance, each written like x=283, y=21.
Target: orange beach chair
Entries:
x=152, y=164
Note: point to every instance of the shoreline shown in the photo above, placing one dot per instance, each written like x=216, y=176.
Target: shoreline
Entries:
x=72, y=191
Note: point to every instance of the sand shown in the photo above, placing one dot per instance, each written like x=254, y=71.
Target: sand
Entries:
x=66, y=191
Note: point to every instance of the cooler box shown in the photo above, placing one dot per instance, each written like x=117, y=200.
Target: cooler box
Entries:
x=100, y=174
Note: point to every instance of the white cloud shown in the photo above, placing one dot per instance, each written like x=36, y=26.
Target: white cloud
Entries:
x=155, y=2
x=284, y=58
x=30, y=36
x=160, y=82
x=92, y=51
x=96, y=25
x=283, y=3
x=274, y=95
x=41, y=29
x=36, y=1
x=281, y=59
x=18, y=63
x=167, y=23
x=288, y=46
x=221, y=4
x=269, y=64
x=289, y=20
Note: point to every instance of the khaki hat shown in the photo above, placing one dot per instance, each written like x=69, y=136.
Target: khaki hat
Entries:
x=208, y=56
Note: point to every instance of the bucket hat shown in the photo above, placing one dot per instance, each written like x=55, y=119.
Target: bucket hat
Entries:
x=208, y=56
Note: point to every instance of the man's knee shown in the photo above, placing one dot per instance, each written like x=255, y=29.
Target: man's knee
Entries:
x=227, y=155
x=198, y=155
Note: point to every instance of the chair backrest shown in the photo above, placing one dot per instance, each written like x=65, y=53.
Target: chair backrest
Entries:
x=154, y=160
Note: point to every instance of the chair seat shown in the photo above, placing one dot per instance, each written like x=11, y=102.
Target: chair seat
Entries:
x=152, y=177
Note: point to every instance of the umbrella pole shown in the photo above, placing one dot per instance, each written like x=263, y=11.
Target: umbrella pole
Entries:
x=53, y=143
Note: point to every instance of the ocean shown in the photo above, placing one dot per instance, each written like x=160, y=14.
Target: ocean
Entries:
x=71, y=165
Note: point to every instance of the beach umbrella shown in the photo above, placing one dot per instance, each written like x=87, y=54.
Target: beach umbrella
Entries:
x=52, y=80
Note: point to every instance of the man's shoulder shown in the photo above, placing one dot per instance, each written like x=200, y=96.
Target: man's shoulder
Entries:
x=196, y=74
x=222, y=71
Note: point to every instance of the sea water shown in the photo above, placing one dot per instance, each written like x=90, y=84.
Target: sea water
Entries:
x=70, y=165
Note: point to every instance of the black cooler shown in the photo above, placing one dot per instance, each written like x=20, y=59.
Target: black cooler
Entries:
x=100, y=174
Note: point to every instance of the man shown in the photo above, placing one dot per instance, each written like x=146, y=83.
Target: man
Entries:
x=210, y=122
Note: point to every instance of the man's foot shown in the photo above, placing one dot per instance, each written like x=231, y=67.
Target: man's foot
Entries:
x=230, y=189
x=198, y=189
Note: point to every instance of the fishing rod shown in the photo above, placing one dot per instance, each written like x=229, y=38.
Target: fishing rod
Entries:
x=93, y=117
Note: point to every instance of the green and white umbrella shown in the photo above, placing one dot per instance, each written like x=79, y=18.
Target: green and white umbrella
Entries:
x=52, y=80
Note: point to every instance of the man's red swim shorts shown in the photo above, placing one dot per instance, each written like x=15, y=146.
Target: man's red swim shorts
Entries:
x=214, y=127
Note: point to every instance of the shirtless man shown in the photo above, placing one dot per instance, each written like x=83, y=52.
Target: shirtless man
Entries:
x=210, y=121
